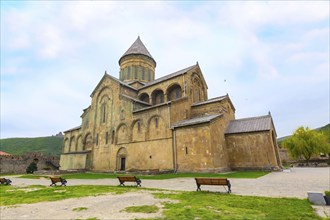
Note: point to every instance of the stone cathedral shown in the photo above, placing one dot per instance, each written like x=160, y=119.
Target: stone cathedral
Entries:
x=142, y=123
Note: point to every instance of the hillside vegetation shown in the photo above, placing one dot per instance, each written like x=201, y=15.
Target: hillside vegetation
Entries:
x=51, y=145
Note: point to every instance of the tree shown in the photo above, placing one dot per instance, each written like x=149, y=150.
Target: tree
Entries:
x=307, y=143
x=32, y=167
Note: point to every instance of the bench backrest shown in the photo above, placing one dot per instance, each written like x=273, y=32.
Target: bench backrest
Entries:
x=56, y=179
x=127, y=178
x=211, y=181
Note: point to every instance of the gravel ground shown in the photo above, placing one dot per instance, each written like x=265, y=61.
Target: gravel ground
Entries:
x=295, y=182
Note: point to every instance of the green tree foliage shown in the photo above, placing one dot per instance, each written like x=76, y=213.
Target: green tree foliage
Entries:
x=306, y=143
x=32, y=167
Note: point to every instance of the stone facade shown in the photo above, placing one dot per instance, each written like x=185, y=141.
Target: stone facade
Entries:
x=138, y=123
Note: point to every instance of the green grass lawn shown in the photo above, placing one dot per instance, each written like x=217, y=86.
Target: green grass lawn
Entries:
x=189, y=205
x=90, y=175
x=209, y=205
x=11, y=195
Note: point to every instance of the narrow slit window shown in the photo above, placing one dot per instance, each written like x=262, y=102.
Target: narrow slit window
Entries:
x=113, y=137
x=104, y=113
x=156, y=122
x=139, y=126
x=106, y=137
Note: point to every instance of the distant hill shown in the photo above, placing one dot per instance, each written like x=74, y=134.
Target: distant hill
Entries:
x=325, y=129
x=51, y=145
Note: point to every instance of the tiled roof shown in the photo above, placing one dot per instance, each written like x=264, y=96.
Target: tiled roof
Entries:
x=168, y=76
x=261, y=123
x=197, y=120
x=210, y=100
x=72, y=129
x=2, y=153
x=137, y=48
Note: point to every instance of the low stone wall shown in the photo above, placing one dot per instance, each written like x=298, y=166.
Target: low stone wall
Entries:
x=17, y=164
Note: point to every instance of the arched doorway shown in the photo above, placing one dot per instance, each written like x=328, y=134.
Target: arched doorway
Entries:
x=121, y=159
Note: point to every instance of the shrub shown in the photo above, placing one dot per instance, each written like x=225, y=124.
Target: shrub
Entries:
x=31, y=168
x=327, y=193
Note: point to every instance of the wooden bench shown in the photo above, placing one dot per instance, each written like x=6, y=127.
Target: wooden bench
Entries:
x=58, y=180
x=213, y=181
x=123, y=179
x=5, y=181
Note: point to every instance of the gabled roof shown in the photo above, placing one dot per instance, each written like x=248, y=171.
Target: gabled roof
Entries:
x=194, y=121
x=72, y=129
x=169, y=76
x=245, y=125
x=217, y=99
x=210, y=100
x=113, y=78
x=137, y=48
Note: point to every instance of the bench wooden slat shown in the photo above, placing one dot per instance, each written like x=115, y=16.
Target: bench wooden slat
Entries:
x=55, y=180
x=213, y=181
x=123, y=179
x=5, y=181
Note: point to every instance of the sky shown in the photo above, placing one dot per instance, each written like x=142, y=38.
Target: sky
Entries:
x=269, y=56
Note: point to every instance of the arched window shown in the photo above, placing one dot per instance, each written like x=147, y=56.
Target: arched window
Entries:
x=157, y=97
x=174, y=92
x=144, y=97
x=72, y=144
x=88, y=142
x=104, y=112
x=197, y=89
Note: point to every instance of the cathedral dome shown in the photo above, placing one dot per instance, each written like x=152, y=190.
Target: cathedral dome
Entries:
x=137, y=63
x=137, y=48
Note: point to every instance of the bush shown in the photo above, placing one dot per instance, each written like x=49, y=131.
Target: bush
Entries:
x=32, y=167
x=327, y=193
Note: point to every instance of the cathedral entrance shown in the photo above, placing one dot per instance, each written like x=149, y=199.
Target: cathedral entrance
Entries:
x=122, y=163
x=121, y=159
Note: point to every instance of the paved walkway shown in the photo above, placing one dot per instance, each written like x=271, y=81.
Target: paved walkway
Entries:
x=295, y=182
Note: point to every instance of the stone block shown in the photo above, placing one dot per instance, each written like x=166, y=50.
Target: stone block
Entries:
x=316, y=198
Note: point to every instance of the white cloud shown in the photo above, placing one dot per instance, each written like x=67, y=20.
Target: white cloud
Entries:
x=269, y=53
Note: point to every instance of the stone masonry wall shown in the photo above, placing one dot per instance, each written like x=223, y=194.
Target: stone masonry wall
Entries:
x=18, y=164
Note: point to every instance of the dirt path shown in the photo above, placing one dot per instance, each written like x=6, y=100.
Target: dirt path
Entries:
x=101, y=207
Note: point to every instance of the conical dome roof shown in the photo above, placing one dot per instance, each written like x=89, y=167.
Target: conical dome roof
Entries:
x=137, y=48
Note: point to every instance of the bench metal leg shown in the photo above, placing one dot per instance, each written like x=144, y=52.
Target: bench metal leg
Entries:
x=229, y=187
x=122, y=183
x=198, y=187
